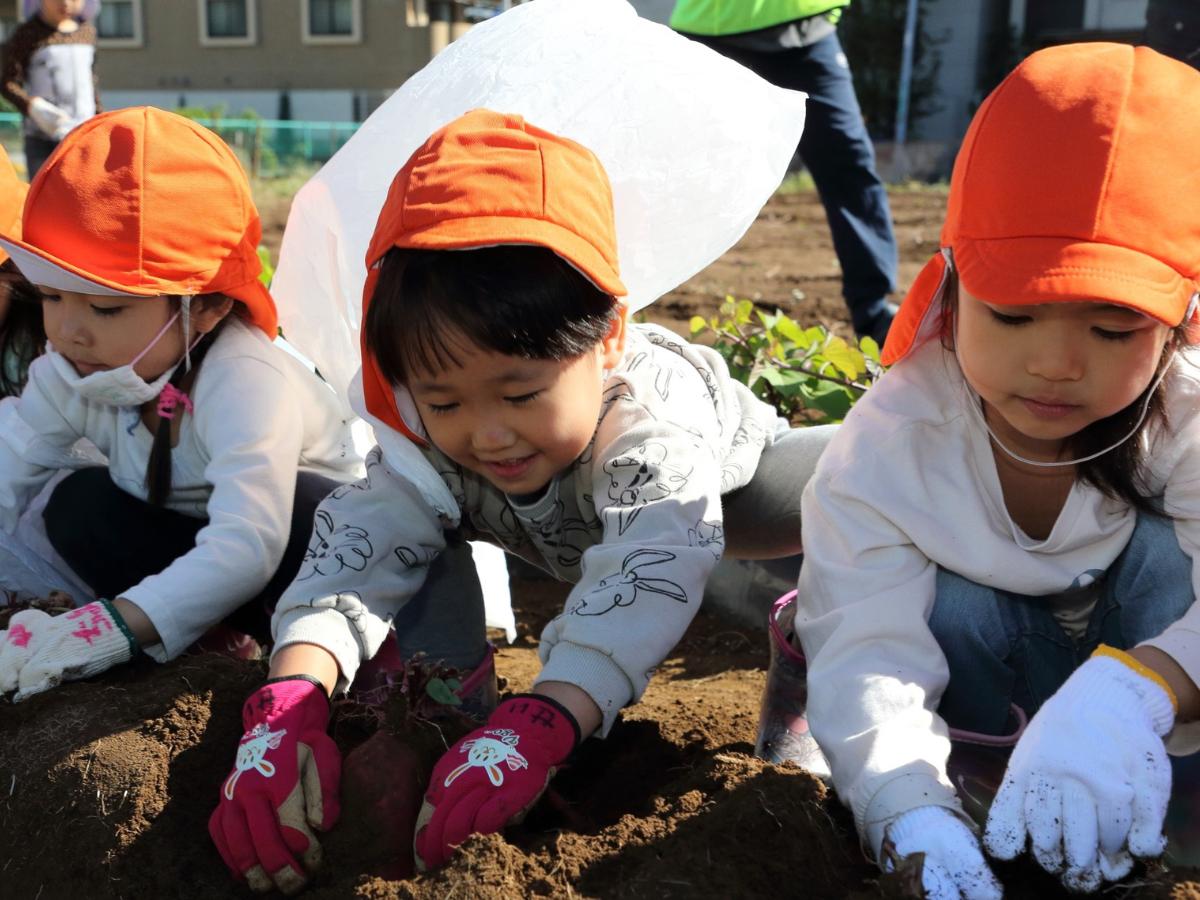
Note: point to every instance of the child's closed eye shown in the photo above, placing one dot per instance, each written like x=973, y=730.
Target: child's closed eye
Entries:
x=439, y=409
x=106, y=310
x=1005, y=319
x=523, y=398
x=1109, y=335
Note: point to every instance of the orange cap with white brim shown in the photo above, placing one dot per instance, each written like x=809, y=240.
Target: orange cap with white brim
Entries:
x=142, y=202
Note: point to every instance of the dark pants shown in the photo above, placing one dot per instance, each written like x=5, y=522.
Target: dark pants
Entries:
x=37, y=151
x=113, y=540
x=837, y=151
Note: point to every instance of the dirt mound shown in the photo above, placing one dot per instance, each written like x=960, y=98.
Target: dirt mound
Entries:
x=106, y=787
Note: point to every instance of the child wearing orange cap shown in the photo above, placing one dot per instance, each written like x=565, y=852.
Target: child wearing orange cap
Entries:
x=21, y=335
x=613, y=455
x=1008, y=523
x=141, y=237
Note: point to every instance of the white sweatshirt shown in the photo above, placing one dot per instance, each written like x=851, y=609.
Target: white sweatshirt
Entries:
x=909, y=484
x=635, y=522
x=259, y=416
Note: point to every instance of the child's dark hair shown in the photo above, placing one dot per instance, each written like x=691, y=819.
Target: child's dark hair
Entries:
x=1118, y=473
x=22, y=336
x=518, y=300
x=158, y=467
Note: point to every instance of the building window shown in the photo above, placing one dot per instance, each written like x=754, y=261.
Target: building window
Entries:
x=417, y=14
x=119, y=23
x=228, y=23
x=332, y=21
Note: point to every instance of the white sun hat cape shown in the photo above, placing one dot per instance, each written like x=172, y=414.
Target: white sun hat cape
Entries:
x=693, y=144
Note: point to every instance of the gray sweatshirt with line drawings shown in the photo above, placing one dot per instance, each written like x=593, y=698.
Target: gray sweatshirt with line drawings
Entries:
x=635, y=523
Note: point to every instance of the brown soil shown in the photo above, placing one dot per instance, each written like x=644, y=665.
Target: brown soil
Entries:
x=106, y=786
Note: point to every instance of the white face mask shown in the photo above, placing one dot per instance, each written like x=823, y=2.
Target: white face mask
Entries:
x=114, y=387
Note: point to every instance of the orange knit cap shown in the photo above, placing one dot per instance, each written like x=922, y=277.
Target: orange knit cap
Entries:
x=485, y=179
x=1078, y=180
x=12, y=199
x=140, y=203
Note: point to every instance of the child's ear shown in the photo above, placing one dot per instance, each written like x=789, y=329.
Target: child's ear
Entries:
x=208, y=311
x=613, y=343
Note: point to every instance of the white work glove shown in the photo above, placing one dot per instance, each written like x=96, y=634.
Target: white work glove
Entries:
x=954, y=866
x=38, y=651
x=53, y=121
x=1089, y=781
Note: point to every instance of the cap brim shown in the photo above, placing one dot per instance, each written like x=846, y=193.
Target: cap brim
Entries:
x=1027, y=271
x=490, y=231
x=41, y=268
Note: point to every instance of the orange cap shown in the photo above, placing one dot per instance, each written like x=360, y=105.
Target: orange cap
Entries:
x=489, y=178
x=1078, y=180
x=12, y=199
x=140, y=203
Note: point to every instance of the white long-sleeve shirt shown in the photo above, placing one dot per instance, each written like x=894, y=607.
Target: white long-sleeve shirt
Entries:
x=260, y=415
x=635, y=522
x=909, y=484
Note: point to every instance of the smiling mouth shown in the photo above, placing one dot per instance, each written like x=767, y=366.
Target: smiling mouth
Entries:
x=509, y=467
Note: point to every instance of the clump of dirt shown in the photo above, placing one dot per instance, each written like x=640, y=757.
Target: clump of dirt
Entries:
x=11, y=604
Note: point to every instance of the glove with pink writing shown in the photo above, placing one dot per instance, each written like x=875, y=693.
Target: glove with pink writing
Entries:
x=283, y=785
x=493, y=775
x=39, y=651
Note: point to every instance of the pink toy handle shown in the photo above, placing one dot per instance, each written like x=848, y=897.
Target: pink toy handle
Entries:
x=785, y=646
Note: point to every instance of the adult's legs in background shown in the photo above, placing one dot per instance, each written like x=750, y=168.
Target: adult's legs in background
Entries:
x=839, y=154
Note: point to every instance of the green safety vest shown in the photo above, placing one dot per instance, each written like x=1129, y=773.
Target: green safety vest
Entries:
x=720, y=17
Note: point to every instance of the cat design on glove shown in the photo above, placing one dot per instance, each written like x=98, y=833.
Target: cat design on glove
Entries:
x=488, y=753
x=624, y=587
x=252, y=754
x=334, y=549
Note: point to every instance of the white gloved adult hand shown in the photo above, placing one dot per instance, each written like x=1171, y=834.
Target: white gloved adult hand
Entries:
x=53, y=121
x=1089, y=781
x=954, y=866
x=38, y=651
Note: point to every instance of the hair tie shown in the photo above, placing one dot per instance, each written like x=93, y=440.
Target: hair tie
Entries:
x=170, y=398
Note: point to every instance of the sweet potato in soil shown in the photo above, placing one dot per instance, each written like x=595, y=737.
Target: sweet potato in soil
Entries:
x=106, y=787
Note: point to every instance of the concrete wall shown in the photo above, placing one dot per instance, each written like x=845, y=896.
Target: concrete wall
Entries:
x=172, y=58
x=963, y=25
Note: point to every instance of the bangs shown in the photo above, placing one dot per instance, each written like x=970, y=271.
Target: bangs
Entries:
x=515, y=300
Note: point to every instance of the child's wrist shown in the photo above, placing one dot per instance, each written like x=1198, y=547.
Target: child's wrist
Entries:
x=575, y=700
x=1141, y=668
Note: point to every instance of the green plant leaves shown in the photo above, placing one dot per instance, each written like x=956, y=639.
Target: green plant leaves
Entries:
x=808, y=374
x=442, y=691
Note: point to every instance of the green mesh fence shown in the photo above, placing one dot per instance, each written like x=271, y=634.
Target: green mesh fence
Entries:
x=267, y=147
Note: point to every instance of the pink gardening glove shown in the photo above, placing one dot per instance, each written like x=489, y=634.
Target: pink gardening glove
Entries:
x=284, y=781
x=494, y=775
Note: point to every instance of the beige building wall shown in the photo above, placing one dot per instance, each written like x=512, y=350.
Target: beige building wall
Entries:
x=172, y=57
